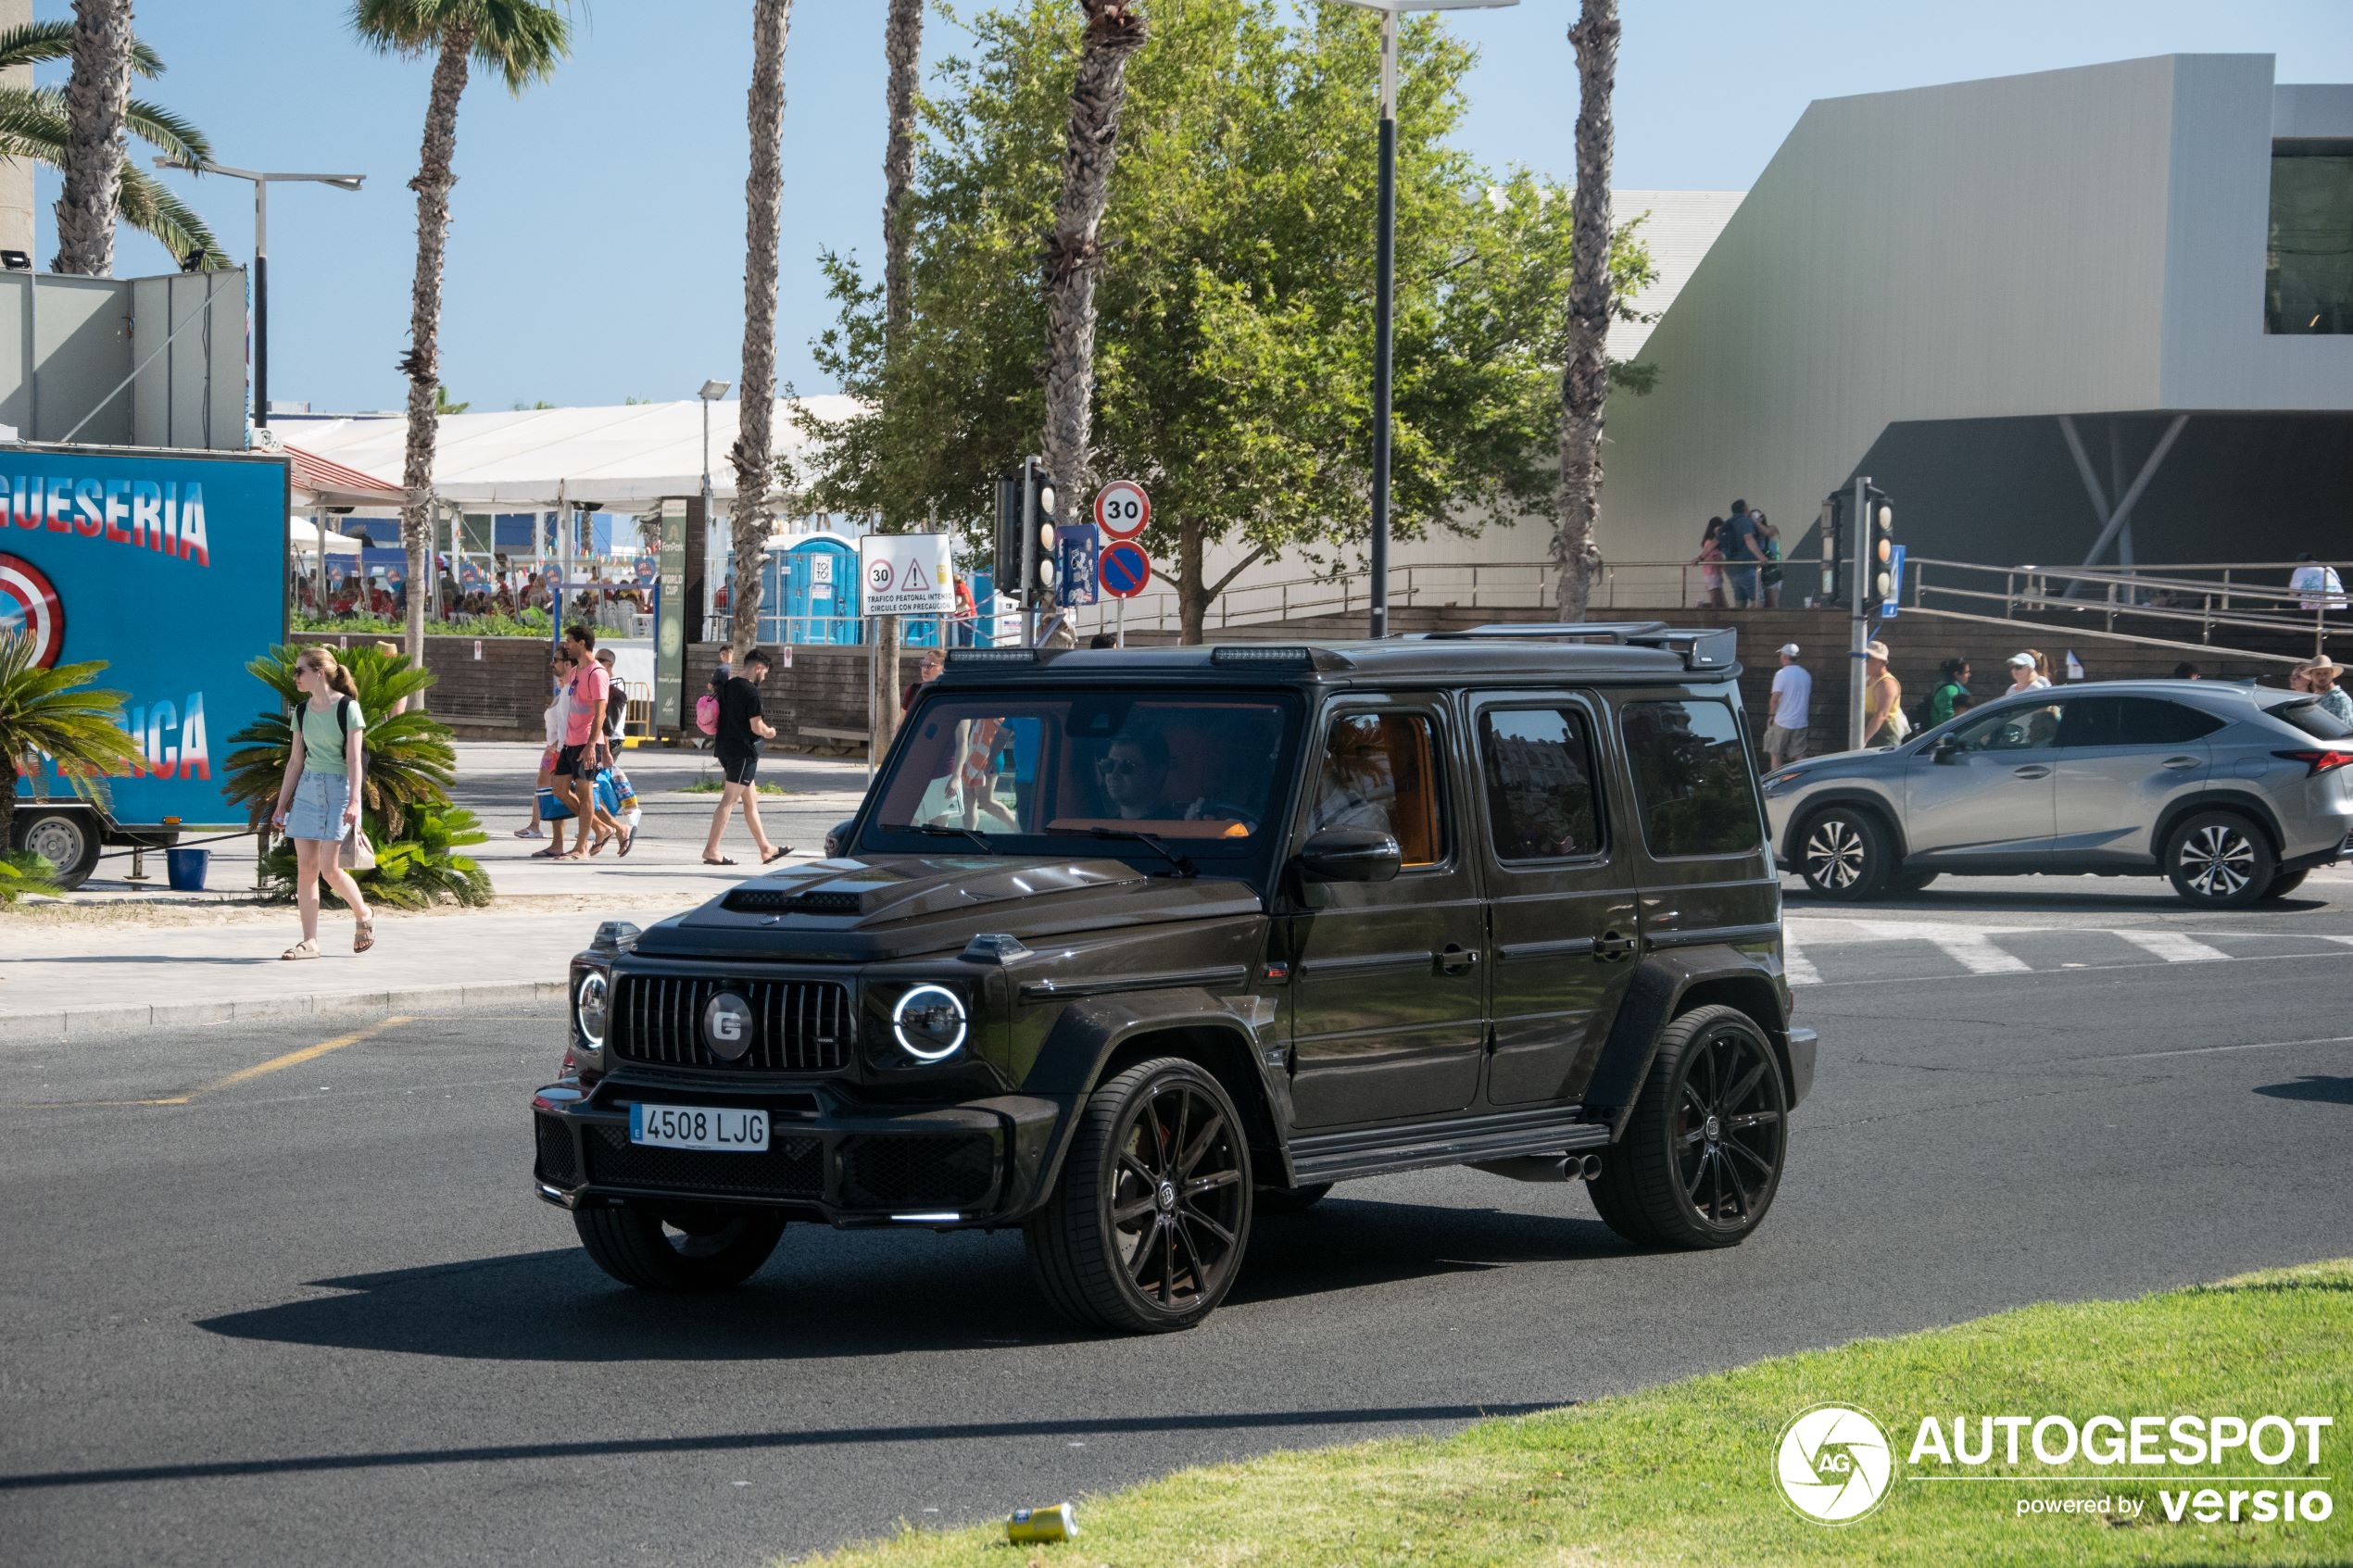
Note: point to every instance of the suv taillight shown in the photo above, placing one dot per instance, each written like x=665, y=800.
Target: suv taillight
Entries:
x=2317, y=762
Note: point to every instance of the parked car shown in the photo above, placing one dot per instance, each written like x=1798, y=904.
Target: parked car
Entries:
x=1127, y=948
x=2231, y=791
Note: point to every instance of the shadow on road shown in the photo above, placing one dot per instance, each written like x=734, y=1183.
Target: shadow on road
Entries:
x=2312, y=1087
x=867, y=1293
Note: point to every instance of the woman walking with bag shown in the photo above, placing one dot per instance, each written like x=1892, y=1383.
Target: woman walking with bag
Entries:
x=318, y=802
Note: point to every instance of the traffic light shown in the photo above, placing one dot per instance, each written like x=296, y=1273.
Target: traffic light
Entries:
x=1882, y=541
x=1009, y=530
x=1025, y=557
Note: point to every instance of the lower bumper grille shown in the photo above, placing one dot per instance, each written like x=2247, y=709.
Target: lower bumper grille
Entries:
x=954, y=1171
x=789, y=1168
x=557, y=1164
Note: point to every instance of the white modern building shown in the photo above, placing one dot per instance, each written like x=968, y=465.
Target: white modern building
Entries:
x=2102, y=312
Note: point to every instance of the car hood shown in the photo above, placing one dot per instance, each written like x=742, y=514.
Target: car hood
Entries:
x=893, y=906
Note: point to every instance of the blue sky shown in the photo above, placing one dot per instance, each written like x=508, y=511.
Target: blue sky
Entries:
x=596, y=252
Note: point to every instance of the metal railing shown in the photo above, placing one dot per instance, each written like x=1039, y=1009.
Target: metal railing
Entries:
x=2163, y=606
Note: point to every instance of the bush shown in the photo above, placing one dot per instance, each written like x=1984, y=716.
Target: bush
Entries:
x=531, y=623
x=22, y=872
x=411, y=873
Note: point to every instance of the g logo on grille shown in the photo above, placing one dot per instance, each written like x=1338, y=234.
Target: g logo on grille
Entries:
x=726, y=1025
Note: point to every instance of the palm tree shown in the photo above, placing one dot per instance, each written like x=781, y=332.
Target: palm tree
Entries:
x=1585, y=372
x=36, y=126
x=55, y=714
x=903, y=51
x=1114, y=30
x=519, y=41
x=754, y=452
x=97, y=98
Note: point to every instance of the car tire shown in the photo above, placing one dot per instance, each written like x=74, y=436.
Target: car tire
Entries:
x=1703, y=1153
x=2220, y=860
x=1908, y=881
x=685, y=1250
x=1291, y=1201
x=2284, y=883
x=1842, y=853
x=1147, y=1225
x=67, y=840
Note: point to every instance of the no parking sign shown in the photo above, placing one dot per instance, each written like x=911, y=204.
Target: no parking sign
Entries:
x=1123, y=570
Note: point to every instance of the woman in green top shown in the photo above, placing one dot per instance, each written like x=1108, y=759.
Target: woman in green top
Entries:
x=1953, y=695
x=318, y=801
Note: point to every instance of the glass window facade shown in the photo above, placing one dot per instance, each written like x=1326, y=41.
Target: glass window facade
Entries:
x=2308, y=283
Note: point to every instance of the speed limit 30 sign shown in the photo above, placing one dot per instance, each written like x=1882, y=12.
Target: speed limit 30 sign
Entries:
x=1122, y=509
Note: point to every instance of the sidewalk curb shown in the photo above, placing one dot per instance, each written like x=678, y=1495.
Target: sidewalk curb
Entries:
x=81, y=1022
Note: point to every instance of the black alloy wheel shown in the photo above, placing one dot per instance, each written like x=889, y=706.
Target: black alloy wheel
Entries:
x=2220, y=859
x=689, y=1248
x=1842, y=853
x=1703, y=1153
x=1146, y=1229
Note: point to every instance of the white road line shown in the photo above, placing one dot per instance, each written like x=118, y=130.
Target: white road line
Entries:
x=1972, y=950
x=2172, y=945
x=1795, y=966
x=2211, y=1050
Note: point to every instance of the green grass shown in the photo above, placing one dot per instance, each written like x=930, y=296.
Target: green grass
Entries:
x=1683, y=1474
x=713, y=786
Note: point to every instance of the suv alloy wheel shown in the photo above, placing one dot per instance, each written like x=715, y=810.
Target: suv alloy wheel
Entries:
x=689, y=1248
x=1146, y=1228
x=1842, y=853
x=2220, y=859
x=1702, y=1155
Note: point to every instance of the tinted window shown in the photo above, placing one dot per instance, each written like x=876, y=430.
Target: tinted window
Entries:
x=1380, y=770
x=2132, y=720
x=1537, y=765
x=2315, y=721
x=1692, y=777
x=2009, y=729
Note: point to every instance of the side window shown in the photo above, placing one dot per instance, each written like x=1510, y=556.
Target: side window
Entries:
x=1538, y=766
x=2149, y=721
x=1380, y=770
x=1691, y=778
x=2011, y=729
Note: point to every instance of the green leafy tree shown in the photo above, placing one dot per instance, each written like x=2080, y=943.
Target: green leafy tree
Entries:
x=408, y=763
x=519, y=42
x=35, y=126
x=1233, y=355
x=53, y=721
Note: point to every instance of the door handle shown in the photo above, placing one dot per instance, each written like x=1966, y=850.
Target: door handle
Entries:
x=1611, y=946
x=1456, y=960
x=2180, y=762
x=2032, y=771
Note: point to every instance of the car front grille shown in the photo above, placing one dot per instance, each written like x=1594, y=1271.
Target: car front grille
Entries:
x=789, y=1167
x=799, y=1025
x=938, y=1171
x=557, y=1166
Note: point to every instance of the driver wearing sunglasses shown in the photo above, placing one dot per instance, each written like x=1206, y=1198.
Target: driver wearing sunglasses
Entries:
x=1135, y=778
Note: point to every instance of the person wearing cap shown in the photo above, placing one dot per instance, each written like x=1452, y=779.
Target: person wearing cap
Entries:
x=1785, y=709
x=1952, y=696
x=1883, y=721
x=2320, y=678
x=2024, y=676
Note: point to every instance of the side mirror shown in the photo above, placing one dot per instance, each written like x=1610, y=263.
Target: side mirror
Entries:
x=1946, y=750
x=838, y=837
x=1350, y=855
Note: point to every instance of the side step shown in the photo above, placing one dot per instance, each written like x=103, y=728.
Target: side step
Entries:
x=1331, y=1157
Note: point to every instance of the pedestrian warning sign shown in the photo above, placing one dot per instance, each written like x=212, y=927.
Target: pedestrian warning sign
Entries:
x=907, y=574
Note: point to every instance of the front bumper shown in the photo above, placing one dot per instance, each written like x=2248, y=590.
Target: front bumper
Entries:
x=973, y=1163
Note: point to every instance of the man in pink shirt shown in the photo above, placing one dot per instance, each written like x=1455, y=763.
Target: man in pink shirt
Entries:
x=586, y=749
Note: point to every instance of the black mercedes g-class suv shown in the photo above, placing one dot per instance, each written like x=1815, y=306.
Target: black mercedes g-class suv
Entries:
x=1125, y=946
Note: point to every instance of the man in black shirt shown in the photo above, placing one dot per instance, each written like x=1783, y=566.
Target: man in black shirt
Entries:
x=741, y=729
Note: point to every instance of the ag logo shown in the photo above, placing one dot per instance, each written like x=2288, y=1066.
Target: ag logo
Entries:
x=1834, y=1463
x=28, y=604
x=726, y=1025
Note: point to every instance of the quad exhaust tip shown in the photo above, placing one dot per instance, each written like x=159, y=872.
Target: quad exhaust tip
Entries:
x=1582, y=1167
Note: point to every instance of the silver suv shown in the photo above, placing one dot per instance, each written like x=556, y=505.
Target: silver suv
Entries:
x=2232, y=791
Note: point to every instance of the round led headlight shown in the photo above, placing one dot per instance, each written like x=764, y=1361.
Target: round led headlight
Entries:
x=929, y=1022
x=590, y=1005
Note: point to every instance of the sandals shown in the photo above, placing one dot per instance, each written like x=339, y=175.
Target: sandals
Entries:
x=306, y=949
x=628, y=842
x=551, y=853
x=529, y=833
x=722, y=861
x=776, y=854
x=363, y=934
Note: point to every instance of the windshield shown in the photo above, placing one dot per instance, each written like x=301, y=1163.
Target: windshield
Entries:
x=1031, y=773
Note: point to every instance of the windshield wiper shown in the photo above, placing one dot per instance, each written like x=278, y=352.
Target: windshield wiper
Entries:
x=1184, y=867
x=943, y=830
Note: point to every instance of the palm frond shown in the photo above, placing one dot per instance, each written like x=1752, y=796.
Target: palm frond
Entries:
x=150, y=206
x=55, y=718
x=521, y=41
x=169, y=132
x=34, y=43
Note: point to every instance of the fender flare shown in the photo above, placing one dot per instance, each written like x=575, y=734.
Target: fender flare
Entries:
x=1671, y=983
x=2246, y=803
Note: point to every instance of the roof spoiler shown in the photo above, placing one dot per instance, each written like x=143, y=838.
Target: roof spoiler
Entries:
x=1699, y=648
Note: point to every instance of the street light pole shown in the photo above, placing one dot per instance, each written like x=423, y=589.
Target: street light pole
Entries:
x=261, y=180
x=713, y=391
x=1385, y=282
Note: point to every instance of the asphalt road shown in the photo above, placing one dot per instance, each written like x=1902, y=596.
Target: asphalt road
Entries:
x=314, y=1314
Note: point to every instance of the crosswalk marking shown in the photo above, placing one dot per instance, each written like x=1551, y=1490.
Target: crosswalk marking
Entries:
x=1795, y=966
x=1972, y=948
x=2172, y=946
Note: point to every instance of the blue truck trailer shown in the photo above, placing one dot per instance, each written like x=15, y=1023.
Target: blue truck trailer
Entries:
x=171, y=566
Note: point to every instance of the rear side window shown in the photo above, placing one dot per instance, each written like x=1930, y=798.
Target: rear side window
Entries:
x=2315, y=721
x=1691, y=778
x=1538, y=766
x=2133, y=721
x=1380, y=770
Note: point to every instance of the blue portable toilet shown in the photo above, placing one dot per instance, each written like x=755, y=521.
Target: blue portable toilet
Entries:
x=814, y=587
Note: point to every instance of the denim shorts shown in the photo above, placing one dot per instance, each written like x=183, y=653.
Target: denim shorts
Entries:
x=318, y=808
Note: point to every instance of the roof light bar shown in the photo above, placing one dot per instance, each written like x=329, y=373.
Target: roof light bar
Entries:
x=992, y=655
x=1261, y=653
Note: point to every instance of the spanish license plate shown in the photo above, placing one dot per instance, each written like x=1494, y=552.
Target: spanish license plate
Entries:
x=698, y=1126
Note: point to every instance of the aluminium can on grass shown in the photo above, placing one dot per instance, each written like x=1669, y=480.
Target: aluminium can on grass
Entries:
x=1059, y=1523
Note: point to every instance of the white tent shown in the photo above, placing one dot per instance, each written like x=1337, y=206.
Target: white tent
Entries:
x=615, y=457
x=303, y=535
